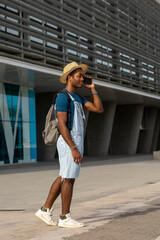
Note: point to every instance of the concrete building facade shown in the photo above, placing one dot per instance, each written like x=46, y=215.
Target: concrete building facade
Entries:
x=120, y=42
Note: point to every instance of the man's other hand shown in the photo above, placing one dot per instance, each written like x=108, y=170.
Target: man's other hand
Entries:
x=77, y=158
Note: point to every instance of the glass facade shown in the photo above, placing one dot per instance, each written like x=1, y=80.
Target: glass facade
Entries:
x=17, y=124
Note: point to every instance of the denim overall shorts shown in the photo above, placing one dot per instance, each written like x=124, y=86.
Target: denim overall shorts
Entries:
x=68, y=168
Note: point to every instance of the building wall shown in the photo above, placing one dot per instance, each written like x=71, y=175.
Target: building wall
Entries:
x=119, y=40
x=147, y=132
x=17, y=124
x=122, y=130
x=99, y=130
x=126, y=128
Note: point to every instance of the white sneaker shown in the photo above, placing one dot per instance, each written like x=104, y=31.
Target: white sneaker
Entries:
x=46, y=216
x=69, y=222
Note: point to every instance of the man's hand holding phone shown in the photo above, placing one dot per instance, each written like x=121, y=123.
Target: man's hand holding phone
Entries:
x=88, y=82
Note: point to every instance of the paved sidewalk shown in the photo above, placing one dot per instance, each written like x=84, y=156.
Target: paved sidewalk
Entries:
x=143, y=225
x=105, y=189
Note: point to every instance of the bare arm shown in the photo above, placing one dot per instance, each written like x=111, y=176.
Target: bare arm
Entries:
x=96, y=106
x=62, y=125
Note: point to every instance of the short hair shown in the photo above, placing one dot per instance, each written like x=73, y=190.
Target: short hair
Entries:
x=72, y=73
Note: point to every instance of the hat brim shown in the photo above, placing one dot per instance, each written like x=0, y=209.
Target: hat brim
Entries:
x=63, y=78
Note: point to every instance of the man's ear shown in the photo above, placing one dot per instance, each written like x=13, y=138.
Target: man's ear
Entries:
x=69, y=77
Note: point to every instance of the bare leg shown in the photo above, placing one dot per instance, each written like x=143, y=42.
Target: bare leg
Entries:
x=55, y=190
x=66, y=194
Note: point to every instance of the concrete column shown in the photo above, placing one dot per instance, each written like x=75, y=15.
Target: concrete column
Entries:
x=156, y=133
x=158, y=142
x=126, y=129
x=146, y=134
x=43, y=103
x=99, y=130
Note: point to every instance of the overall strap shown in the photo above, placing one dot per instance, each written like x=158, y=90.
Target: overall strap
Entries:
x=69, y=107
x=80, y=97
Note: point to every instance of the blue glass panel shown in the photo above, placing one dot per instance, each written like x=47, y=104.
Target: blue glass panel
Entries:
x=33, y=141
x=20, y=111
x=9, y=102
x=32, y=111
x=13, y=99
x=15, y=93
x=32, y=118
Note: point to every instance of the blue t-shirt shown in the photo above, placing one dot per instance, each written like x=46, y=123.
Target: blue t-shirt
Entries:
x=62, y=103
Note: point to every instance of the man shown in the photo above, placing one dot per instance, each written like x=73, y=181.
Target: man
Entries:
x=70, y=143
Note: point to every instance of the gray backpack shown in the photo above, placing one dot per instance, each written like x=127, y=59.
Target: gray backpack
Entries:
x=51, y=133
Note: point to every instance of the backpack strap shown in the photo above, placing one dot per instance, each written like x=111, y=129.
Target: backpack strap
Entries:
x=69, y=107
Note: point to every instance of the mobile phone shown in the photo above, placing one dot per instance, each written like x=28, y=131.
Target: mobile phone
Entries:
x=87, y=80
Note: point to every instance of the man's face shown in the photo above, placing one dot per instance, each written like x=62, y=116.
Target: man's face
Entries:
x=77, y=79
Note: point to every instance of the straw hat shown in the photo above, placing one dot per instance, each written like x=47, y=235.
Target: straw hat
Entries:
x=70, y=68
